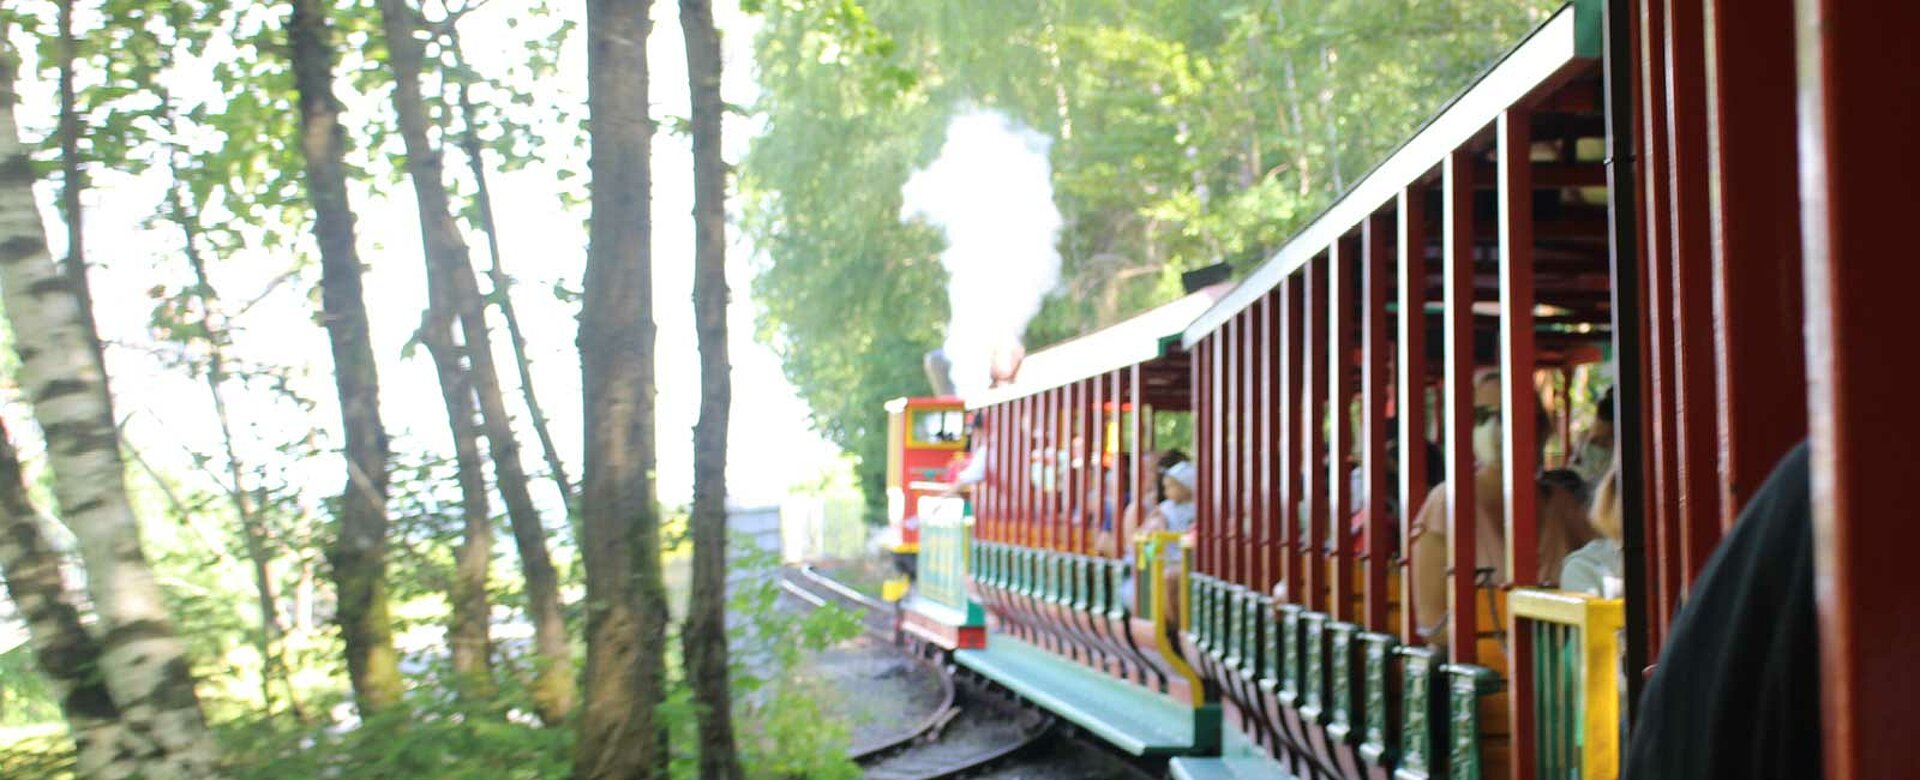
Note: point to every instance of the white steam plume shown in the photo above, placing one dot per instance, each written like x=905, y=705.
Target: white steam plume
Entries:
x=991, y=190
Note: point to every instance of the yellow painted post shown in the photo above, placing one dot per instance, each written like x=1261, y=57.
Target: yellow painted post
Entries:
x=1598, y=622
x=1153, y=578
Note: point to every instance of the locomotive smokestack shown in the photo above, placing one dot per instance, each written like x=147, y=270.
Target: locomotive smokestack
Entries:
x=991, y=193
x=939, y=371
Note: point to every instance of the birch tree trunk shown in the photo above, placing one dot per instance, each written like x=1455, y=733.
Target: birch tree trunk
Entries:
x=359, y=555
x=705, y=638
x=66, y=653
x=448, y=260
x=620, y=735
x=74, y=181
x=142, y=662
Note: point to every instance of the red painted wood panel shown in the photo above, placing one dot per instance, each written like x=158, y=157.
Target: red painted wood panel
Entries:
x=1341, y=291
x=1858, y=63
x=1457, y=411
x=1662, y=507
x=1691, y=259
x=1291, y=445
x=1375, y=386
x=1755, y=207
x=1515, y=139
x=1411, y=404
x=1314, y=432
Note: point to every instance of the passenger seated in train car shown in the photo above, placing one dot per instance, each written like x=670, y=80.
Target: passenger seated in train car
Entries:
x=1594, y=454
x=1596, y=568
x=1356, y=481
x=1736, y=692
x=1106, y=535
x=1175, y=512
x=973, y=470
x=1560, y=517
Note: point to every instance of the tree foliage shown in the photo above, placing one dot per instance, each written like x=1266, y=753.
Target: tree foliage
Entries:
x=1185, y=134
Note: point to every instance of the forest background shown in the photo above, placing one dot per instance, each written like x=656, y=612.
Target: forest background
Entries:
x=1181, y=134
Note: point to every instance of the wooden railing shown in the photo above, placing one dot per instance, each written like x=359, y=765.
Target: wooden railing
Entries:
x=1576, y=681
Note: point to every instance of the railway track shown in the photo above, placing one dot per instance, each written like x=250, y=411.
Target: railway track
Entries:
x=970, y=730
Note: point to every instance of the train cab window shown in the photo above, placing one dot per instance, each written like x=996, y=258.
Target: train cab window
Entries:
x=936, y=427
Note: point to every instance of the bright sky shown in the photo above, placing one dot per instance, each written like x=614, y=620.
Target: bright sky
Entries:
x=771, y=448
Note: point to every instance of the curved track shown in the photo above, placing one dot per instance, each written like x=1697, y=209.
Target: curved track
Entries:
x=964, y=734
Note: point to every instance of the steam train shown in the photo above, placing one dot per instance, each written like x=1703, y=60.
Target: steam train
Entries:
x=1702, y=217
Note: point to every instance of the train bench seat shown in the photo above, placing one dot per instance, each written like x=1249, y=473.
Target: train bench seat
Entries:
x=1135, y=720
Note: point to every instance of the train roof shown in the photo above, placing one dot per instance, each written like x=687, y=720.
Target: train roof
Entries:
x=1143, y=338
x=1549, y=58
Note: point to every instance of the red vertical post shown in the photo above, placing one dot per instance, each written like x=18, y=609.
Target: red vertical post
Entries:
x=1216, y=443
x=1262, y=464
x=1137, y=433
x=1515, y=142
x=1063, y=499
x=1248, y=413
x=1290, y=462
x=1457, y=293
x=1517, y=397
x=1096, y=466
x=1755, y=208
x=1068, y=499
x=1007, y=425
x=1692, y=284
x=1049, y=466
x=1374, y=280
x=1035, y=443
x=998, y=467
x=1412, y=402
x=1129, y=444
x=1087, y=494
x=1340, y=293
x=1663, y=510
x=1859, y=163
x=1205, y=431
x=1274, y=404
x=1232, y=412
x=1019, y=470
x=1026, y=440
x=1314, y=432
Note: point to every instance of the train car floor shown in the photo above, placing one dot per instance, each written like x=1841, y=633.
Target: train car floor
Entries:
x=1239, y=759
x=1239, y=768
x=1136, y=721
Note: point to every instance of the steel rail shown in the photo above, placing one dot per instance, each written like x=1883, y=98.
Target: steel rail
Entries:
x=915, y=753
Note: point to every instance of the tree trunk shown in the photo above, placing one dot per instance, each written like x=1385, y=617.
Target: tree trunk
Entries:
x=143, y=664
x=620, y=735
x=73, y=182
x=255, y=536
x=447, y=258
x=705, y=639
x=468, y=635
x=359, y=556
x=497, y=277
x=67, y=654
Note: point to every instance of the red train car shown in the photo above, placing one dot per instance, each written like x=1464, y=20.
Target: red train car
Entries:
x=926, y=440
x=1707, y=200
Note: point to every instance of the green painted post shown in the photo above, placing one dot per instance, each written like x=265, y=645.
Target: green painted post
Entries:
x=1417, y=748
x=1228, y=651
x=1340, y=670
x=1466, y=683
x=1290, y=617
x=1376, y=747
